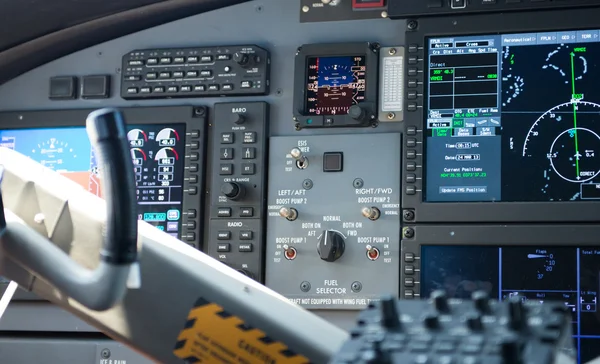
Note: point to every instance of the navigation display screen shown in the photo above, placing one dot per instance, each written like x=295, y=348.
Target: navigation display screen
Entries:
x=513, y=117
x=157, y=152
x=567, y=274
x=334, y=84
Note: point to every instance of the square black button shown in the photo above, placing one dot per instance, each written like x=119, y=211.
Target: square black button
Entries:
x=333, y=162
x=63, y=88
x=95, y=87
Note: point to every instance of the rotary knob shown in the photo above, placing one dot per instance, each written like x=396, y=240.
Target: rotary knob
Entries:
x=232, y=190
x=238, y=118
x=246, y=273
x=241, y=58
x=331, y=246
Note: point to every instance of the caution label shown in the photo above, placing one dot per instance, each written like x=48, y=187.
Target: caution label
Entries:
x=212, y=335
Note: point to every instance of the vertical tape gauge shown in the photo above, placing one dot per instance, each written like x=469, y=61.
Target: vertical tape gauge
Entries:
x=391, y=84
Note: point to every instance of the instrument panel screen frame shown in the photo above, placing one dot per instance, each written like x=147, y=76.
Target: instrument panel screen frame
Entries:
x=370, y=52
x=413, y=159
x=188, y=116
x=488, y=236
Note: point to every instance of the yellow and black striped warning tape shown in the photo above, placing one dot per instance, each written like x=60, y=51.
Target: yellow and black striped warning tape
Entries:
x=213, y=335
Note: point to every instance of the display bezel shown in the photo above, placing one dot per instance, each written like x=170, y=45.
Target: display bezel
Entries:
x=193, y=117
x=490, y=235
x=416, y=38
x=371, y=53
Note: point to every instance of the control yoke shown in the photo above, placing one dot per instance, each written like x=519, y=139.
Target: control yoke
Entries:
x=98, y=289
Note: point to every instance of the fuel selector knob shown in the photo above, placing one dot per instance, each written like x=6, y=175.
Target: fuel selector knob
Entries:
x=232, y=190
x=331, y=246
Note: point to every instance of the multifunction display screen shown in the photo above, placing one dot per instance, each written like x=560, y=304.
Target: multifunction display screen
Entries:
x=157, y=152
x=565, y=274
x=334, y=84
x=513, y=117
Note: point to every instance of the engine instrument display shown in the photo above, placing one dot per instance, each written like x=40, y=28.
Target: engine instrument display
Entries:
x=157, y=152
x=557, y=273
x=513, y=117
x=334, y=84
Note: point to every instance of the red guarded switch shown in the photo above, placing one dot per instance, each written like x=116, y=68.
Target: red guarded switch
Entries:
x=367, y=4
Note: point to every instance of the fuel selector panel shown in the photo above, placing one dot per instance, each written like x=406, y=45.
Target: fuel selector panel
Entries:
x=333, y=224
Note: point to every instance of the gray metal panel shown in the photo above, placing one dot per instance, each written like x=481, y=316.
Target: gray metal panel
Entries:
x=333, y=202
x=273, y=24
x=80, y=351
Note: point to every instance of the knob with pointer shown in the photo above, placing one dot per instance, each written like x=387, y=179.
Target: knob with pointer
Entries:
x=331, y=246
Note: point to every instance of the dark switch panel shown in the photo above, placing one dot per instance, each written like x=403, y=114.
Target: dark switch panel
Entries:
x=237, y=190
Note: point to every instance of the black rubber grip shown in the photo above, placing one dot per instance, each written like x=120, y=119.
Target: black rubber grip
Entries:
x=2, y=217
x=108, y=135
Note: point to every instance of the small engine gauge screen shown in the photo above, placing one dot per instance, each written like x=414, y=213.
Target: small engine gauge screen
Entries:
x=334, y=84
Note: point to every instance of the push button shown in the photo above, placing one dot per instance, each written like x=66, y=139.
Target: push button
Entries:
x=224, y=235
x=245, y=235
x=226, y=169
x=227, y=138
x=333, y=162
x=194, y=167
x=249, y=153
x=224, y=248
x=409, y=282
x=191, y=237
x=409, y=269
x=409, y=257
x=411, y=178
x=250, y=137
x=245, y=248
x=248, y=169
x=226, y=153
x=192, y=214
x=224, y=212
x=246, y=212
x=459, y=4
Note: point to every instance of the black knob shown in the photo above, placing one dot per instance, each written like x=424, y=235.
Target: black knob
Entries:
x=241, y=58
x=389, y=313
x=232, y=190
x=474, y=322
x=357, y=113
x=440, y=301
x=238, y=118
x=511, y=351
x=246, y=273
x=432, y=321
x=481, y=301
x=331, y=246
x=516, y=313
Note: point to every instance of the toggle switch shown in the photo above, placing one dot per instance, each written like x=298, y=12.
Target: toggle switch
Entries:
x=371, y=213
x=290, y=213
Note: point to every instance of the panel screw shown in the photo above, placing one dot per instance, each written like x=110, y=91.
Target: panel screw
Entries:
x=412, y=24
x=358, y=183
x=409, y=233
x=199, y=111
x=391, y=116
x=392, y=51
x=307, y=184
x=105, y=353
x=356, y=286
x=297, y=127
x=305, y=9
x=409, y=215
x=305, y=286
